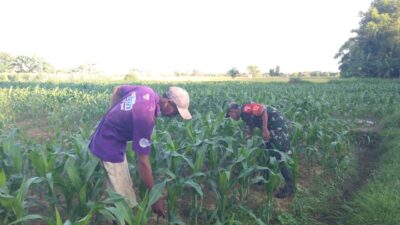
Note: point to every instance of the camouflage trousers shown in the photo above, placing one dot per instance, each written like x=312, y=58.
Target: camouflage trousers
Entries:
x=279, y=141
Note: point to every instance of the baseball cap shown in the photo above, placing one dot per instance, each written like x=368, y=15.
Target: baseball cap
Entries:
x=181, y=99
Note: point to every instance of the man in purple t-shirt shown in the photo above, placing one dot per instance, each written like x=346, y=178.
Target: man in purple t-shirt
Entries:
x=131, y=117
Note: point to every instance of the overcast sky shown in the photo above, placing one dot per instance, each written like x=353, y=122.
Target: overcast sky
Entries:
x=181, y=35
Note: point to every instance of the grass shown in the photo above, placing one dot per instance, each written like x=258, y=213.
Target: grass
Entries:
x=378, y=202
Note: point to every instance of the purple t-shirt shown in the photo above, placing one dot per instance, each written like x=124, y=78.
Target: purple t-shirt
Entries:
x=130, y=119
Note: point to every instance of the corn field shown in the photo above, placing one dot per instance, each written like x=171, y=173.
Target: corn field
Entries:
x=204, y=168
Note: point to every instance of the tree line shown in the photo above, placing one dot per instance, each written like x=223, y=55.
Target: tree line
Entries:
x=254, y=72
x=34, y=64
x=375, y=49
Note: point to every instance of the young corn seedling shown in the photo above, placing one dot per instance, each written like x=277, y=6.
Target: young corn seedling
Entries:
x=14, y=203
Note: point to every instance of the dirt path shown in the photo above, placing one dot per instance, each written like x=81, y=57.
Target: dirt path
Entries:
x=367, y=155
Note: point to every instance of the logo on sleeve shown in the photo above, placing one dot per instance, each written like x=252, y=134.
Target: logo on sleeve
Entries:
x=144, y=142
x=128, y=103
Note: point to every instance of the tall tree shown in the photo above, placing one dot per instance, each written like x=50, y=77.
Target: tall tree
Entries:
x=5, y=62
x=233, y=72
x=275, y=72
x=278, y=70
x=254, y=70
x=26, y=64
x=375, y=50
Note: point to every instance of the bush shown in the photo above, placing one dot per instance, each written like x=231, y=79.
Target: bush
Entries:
x=297, y=80
x=3, y=77
x=131, y=76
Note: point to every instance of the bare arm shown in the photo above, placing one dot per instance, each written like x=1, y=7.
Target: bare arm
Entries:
x=265, y=131
x=146, y=175
x=145, y=171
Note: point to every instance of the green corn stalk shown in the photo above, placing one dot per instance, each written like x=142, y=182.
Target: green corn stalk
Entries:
x=222, y=189
x=196, y=192
x=270, y=186
x=247, y=157
x=294, y=166
x=252, y=215
x=12, y=155
x=42, y=162
x=213, y=156
x=123, y=214
x=27, y=218
x=44, y=165
x=82, y=183
x=199, y=158
x=59, y=221
x=297, y=134
x=273, y=178
x=155, y=194
x=174, y=191
x=194, y=182
x=15, y=202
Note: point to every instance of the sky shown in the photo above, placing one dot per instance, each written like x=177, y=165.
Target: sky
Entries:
x=163, y=36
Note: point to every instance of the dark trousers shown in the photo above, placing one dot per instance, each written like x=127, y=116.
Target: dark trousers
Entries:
x=285, y=171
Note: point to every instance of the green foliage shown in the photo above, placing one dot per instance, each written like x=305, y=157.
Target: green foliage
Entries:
x=378, y=202
x=275, y=72
x=233, y=72
x=375, y=50
x=5, y=62
x=26, y=64
x=132, y=76
x=205, y=164
x=254, y=71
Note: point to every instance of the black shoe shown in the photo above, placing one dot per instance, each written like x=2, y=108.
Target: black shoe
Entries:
x=285, y=192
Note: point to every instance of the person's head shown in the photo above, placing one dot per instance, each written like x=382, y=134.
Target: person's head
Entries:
x=233, y=111
x=175, y=101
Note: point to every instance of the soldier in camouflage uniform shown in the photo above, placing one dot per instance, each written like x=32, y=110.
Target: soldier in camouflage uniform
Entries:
x=275, y=134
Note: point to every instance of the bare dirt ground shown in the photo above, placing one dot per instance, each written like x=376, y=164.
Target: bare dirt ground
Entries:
x=367, y=155
x=35, y=129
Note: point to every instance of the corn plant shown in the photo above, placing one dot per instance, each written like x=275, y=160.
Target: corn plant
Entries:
x=14, y=202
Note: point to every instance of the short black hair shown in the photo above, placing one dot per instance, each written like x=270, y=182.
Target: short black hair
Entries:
x=231, y=106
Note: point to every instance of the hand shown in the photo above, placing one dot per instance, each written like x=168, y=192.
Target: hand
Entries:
x=159, y=208
x=266, y=135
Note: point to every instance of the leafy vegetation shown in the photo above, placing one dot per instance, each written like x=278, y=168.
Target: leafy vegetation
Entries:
x=205, y=168
x=375, y=50
x=378, y=201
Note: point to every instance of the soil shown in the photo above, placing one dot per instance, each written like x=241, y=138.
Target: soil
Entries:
x=367, y=138
x=367, y=155
x=35, y=129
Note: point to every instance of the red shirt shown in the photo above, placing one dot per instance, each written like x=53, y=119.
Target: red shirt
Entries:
x=253, y=109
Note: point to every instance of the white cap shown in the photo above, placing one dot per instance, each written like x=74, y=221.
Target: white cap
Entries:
x=181, y=99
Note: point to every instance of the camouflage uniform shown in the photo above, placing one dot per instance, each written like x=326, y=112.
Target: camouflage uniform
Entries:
x=277, y=126
x=279, y=141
